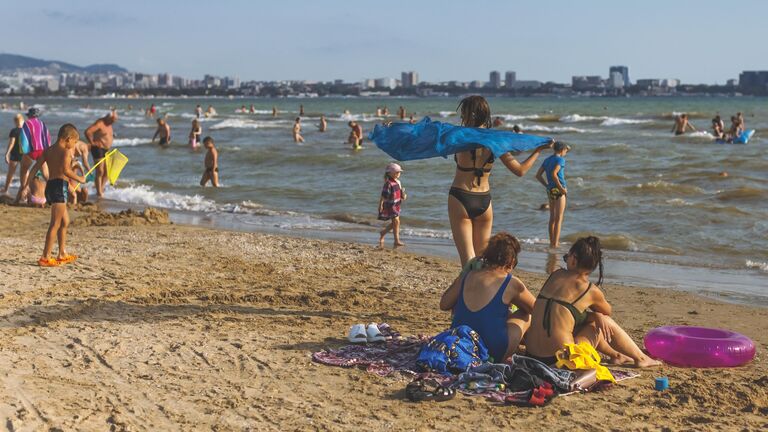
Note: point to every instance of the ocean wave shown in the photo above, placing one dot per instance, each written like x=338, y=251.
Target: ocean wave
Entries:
x=356, y=117
x=621, y=242
x=445, y=114
x=247, y=124
x=137, y=125
x=762, y=266
x=615, y=121
x=665, y=187
x=427, y=233
x=555, y=129
x=576, y=118
x=144, y=195
x=130, y=142
x=743, y=193
x=697, y=135
x=514, y=117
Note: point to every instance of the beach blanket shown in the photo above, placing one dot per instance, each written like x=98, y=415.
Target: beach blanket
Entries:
x=36, y=134
x=428, y=139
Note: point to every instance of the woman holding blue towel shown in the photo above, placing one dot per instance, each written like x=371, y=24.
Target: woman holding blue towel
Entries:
x=469, y=200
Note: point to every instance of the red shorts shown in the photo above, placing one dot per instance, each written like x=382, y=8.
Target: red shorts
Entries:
x=35, y=154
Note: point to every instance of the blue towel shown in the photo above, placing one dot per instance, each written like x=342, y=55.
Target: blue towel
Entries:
x=428, y=139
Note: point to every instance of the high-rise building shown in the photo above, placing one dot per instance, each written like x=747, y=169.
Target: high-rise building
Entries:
x=409, y=79
x=495, y=80
x=623, y=70
x=616, y=80
x=165, y=80
x=754, y=81
x=385, y=83
x=509, y=79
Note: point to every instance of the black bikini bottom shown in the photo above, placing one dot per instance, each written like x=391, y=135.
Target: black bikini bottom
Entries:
x=475, y=203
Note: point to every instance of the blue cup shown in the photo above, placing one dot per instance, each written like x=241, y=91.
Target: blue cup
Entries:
x=662, y=383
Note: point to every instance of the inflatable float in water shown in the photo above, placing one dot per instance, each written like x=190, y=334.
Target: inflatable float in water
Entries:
x=741, y=139
x=700, y=347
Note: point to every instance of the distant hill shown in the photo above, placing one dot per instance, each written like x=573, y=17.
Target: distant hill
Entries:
x=10, y=62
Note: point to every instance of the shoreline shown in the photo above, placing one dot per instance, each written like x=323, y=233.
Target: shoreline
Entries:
x=723, y=284
x=183, y=327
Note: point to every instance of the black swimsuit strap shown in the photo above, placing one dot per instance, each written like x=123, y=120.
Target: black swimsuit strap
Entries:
x=479, y=171
x=582, y=294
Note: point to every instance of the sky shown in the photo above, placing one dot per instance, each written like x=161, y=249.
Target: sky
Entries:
x=549, y=40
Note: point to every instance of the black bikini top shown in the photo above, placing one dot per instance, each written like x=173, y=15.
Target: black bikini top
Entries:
x=479, y=171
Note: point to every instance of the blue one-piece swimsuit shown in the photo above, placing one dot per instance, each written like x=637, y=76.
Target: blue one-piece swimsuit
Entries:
x=490, y=322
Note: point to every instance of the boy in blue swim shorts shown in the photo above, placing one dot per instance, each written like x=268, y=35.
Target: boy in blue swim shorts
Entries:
x=554, y=168
x=59, y=160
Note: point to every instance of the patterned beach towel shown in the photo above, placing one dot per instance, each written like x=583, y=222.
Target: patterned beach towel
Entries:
x=36, y=134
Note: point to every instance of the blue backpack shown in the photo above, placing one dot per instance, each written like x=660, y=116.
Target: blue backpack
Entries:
x=453, y=351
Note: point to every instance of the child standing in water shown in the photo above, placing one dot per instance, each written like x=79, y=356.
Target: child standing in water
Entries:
x=59, y=160
x=392, y=195
x=211, y=163
x=194, y=135
x=554, y=167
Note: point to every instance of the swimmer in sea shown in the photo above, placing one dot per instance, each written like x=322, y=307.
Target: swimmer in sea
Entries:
x=301, y=110
x=323, y=126
x=498, y=121
x=356, y=135
x=297, y=138
x=682, y=124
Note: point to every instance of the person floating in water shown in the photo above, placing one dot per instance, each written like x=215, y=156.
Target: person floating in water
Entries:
x=297, y=138
x=301, y=110
x=498, y=121
x=682, y=124
x=198, y=111
x=274, y=111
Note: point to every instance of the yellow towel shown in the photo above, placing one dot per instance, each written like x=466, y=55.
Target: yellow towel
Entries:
x=583, y=356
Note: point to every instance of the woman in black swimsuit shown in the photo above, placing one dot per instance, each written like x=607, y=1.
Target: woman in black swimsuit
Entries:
x=469, y=200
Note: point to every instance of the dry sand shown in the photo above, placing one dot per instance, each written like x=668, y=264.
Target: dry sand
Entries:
x=167, y=327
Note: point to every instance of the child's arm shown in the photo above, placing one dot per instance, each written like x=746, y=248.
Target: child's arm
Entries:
x=519, y=169
x=555, y=179
x=451, y=295
x=168, y=132
x=157, y=132
x=540, y=176
x=215, y=154
x=8, y=152
x=69, y=172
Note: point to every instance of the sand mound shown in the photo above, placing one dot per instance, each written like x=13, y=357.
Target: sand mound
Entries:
x=130, y=217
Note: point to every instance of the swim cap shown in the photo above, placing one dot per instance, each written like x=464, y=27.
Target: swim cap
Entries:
x=33, y=112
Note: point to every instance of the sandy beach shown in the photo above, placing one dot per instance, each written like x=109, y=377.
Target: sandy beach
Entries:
x=167, y=327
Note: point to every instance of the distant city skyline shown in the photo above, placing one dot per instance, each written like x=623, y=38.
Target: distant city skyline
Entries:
x=329, y=40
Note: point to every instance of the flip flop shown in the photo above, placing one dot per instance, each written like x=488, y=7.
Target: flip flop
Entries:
x=373, y=333
x=357, y=334
x=426, y=390
x=66, y=259
x=48, y=262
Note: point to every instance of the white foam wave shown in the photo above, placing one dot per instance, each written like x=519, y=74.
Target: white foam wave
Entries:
x=247, y=124
x=762, y=266
x=445, y=114
x=144, y=195
x=614, y=121
x=576, y=118
x=539, y=128
x=357, y=117
x=137, y=125
x=514, y=117
x=130, y=142
x=427, y=233
x=700, y=134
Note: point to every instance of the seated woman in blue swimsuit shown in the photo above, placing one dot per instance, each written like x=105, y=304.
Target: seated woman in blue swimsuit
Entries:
x=469, y=200
x=571, y=309
x=481, y=298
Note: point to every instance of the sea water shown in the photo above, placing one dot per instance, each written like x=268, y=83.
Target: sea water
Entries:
x=654, y=199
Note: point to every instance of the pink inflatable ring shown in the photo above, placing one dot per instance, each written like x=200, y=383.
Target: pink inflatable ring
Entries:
x=699, y=346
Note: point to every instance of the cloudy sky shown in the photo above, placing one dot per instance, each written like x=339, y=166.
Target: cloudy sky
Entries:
x=696, y=41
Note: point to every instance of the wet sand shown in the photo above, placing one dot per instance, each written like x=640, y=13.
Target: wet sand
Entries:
x=169, y=327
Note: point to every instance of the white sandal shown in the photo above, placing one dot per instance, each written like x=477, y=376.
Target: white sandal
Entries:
x=357, y=334
x=373, y=333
